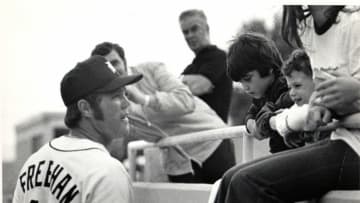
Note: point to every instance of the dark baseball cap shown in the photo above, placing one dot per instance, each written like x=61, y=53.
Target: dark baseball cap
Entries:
x=95, y=74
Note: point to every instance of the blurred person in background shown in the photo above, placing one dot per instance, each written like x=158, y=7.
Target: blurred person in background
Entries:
x=206, y=75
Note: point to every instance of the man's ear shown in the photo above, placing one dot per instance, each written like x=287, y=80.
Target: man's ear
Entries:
x=85, y=108
x=207, y=27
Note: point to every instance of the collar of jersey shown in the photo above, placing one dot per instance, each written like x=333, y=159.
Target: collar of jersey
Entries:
x=67, y=143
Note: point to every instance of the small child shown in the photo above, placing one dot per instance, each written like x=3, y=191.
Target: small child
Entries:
x=298, y=74
x=255, y=62
x=308, y=119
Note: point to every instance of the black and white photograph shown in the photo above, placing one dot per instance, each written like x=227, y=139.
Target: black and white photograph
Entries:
x=180, y=101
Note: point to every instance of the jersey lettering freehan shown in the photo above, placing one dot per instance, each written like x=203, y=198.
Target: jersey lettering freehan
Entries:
x=52, y=176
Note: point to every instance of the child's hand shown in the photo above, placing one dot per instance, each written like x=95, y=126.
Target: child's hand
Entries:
x=317, y=116
x=251, y=126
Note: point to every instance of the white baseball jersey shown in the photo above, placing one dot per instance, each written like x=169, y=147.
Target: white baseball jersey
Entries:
x=73, y=170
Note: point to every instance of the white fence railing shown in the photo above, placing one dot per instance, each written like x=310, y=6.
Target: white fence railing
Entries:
x=222, y=133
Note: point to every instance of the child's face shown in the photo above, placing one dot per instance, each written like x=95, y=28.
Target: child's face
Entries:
x=301, y=86
x=255, y=85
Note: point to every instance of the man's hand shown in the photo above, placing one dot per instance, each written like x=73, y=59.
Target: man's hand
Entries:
x=134, y=95
x=198, y=84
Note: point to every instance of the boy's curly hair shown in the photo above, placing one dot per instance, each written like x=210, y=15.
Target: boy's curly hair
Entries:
x=297, y=61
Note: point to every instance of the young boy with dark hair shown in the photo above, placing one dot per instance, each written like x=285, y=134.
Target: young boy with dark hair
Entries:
x=255, y=62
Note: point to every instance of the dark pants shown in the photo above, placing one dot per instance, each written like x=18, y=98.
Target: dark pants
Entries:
x=294, y=175
x=213, y=168
x=277, y=144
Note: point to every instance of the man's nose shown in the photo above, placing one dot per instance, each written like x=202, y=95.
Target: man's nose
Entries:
x=125, y=103
x=189, y=34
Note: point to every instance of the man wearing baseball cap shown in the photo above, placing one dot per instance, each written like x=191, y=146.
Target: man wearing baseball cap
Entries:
x=77, y=167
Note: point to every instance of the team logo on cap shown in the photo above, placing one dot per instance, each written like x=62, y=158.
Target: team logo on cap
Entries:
x=110, y=66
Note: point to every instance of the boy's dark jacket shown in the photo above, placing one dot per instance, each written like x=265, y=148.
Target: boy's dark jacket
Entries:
x=276, y=97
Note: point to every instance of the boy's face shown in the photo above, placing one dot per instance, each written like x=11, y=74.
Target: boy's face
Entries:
x=255, y=85
x=301, y=86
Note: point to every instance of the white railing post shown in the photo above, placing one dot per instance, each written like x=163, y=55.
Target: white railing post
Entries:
x=132, y=163
x=133, y=147
x=247, y=148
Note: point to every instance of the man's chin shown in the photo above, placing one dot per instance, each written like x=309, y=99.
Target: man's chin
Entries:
x=123, y=130
x=127, y=131
x=193, y=47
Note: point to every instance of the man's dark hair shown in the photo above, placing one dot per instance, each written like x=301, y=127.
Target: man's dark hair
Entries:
x=253, y=51
x=297, y=61
x=73, y=114
x=105, y=48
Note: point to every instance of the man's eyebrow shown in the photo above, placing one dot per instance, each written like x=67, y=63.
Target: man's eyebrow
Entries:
x=191, y=28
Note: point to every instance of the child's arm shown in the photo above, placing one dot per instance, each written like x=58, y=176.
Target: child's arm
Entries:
x=263, y=119
x=289, y=124
x=250, y=117
x=291, y=120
